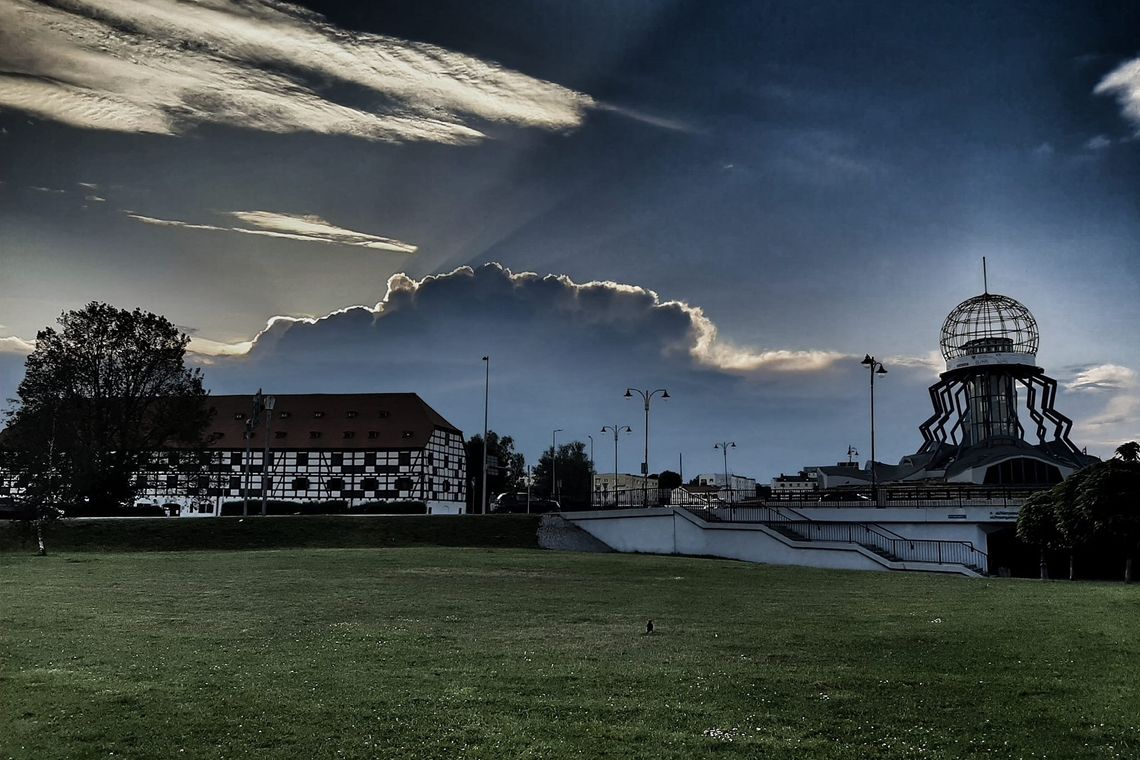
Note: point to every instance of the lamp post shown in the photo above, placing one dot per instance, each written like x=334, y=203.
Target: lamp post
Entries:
x=554, y=463
x=616, y=429
x=647, y=396
x=875, y=367
x=592, y=485
x=267, y=404
x=250, y=429
x=486, y=401
x=724, y=446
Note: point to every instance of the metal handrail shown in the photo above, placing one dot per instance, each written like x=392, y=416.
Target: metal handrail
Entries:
x=874, y=537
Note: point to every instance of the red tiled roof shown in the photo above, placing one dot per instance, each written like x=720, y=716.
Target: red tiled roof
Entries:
x=394, y=420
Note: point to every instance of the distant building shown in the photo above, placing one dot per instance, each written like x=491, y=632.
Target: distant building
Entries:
x=736, y=483
x=624, y=489
x=358, y=448
x=698, y=496
x=804, y=482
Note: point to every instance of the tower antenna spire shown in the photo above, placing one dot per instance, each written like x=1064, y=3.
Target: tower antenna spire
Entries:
x=985, y=279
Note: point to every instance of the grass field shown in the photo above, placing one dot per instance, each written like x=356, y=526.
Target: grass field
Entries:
x=509, y=653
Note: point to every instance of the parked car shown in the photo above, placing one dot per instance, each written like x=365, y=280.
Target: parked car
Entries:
x=517, y=502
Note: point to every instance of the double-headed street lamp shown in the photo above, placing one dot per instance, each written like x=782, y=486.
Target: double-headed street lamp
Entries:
x=553, y=463
x=875, y=367
x=724, y=446
x=647, y=396
x=616, y=429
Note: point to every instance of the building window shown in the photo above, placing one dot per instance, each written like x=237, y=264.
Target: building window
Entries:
x=351, y=414
x=300, y=484
x=282, y=434
x=385, y=415
x=335, y=484
x=370, y=484
x=235, y=483
x=337, y=459
x=204, y=457
x=369, y=458
x=349, y=434
x=404, y=484
x=373, y=434
x=140, y=481
x=406, y=458
x=172, y=458
x=203, y=481
x=302, y=458
x=235, y=458
x=314, y=434
x=171, y=481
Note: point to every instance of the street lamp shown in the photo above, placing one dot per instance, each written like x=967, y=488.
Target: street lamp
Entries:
x=250, y=429
x=592, y=488
x=724, y=446
x=647, y=396
x=616, y=429
x=267, y=404
x=875, y=367
x=486, y=400
x=553, y=463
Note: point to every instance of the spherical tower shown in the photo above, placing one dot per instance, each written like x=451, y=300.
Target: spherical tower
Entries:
x=990, y=345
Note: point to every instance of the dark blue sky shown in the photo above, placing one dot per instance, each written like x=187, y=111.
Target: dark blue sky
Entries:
x=819, y=178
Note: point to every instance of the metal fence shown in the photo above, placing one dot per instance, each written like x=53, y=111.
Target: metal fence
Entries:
x=878, y=539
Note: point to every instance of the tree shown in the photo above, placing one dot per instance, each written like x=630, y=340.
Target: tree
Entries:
x=669, y=479
x=99, y=397
x=1097, y=505
x=573, y=470
x=1128, y=452
x=506, y=468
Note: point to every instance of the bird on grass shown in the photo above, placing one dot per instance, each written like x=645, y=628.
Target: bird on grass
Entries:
x=649, y=628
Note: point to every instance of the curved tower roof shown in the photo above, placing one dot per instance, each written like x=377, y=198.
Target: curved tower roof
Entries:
x=989, y=329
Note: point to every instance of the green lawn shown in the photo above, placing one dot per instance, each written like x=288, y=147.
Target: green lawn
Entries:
x=515, y=653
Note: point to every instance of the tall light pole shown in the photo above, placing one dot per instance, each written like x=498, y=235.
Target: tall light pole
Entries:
x=724, y=446
x=616, y=429
x=486, y=400
x=554, y=463
x=250, y=430
x=267, y=404
x=592, y=488
x=647, y=396
x=875, y=367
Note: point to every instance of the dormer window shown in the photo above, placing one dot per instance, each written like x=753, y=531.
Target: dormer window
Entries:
x=285, y=415
x=318, y=415
x=239, y=415
x=385, y=414
x=351, y=414
x=408, y=434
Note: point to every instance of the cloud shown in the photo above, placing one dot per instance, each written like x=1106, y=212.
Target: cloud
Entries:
x=163, y=67
x=13, y=345
x=304, y=227
x=1103, y=377
x=1099, y=142
x=669, y=328
x=1124, y=83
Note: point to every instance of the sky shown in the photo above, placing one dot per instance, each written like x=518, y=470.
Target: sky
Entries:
x=734, y=201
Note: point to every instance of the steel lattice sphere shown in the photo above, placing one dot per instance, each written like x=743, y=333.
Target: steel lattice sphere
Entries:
x=989, y=324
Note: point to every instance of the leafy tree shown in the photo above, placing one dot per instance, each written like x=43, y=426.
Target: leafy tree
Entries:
x=508, y=474
x=99, y=397
x=573, y=470
x=1099, y=504
x=1128, y=452
x=669, y=479
x=1037, y=524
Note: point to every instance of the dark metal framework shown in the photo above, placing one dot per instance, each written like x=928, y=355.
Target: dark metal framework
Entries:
x=951, y=399
x=989, y=323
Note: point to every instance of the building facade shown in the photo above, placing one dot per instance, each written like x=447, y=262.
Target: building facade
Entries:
x=357, y=448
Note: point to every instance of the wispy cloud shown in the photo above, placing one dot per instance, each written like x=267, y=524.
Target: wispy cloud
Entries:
x=14, y=345
x=1124, y=83
x=163, y=66
x=1103, y=377
x=304, y=227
